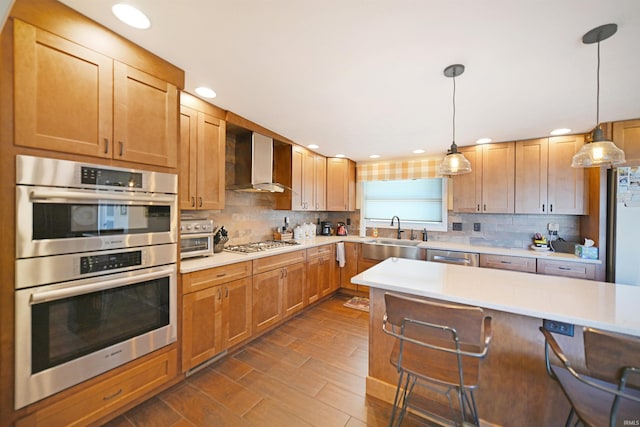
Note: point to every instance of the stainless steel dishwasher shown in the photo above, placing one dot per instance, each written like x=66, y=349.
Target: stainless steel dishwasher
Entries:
x=468, y=259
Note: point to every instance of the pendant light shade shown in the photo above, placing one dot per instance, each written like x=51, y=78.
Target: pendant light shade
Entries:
x=454, y=163
x=600, y=151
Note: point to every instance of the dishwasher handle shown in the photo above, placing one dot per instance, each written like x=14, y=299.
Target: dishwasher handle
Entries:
x=450, y=259
x=467, y=259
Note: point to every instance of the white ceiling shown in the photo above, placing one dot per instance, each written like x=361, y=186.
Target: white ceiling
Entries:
x=360, y=77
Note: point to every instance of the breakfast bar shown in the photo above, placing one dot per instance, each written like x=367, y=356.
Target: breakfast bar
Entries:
x=514, y=386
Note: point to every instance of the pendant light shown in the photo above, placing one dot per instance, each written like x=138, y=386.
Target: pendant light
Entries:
x=454, y=163
x=600, y=151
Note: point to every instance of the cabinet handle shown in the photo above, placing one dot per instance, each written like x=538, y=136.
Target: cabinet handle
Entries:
x=219, y=293
x=485, y=207
x=226, y=294
x=543, y=207
x=564, y=268
x=505, y=262
x=193, y=201
x=121, y=148
x=221, y=274
x=201, y=201
x=551, y=208
x=113, y=395
x=478, y=208
x=106, y=146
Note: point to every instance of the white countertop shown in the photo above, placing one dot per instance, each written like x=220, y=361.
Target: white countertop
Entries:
x=225, y=258
x=582, y=302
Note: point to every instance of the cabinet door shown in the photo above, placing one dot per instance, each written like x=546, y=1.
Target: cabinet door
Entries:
x=531, y=176
x=626, y=136
x=293, y=288
x=340, y=184
x=236, y=311
x=145, y=112
x=326, y=274
x=567, y=189
x=267, y=299
x=201, y=326
x=297, y=178
x=211, y=161
x=188, y=157
x=578, y=270
x=467, y=188
x=498, y=177
x=313, y=280
x=320, y=177
x=350, y=268
x=504, y=262
x=63, y=94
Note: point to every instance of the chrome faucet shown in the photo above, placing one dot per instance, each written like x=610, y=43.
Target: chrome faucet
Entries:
x=399, y=230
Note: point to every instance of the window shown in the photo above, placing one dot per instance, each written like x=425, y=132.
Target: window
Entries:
x=419, y=203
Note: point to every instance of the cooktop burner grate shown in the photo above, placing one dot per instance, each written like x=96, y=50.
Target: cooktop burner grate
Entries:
x=248, y=248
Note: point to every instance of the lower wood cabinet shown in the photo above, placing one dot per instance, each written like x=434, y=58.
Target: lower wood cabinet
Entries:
x=236, y=311
x=350, y=268
x=578, y=270
x=320, y=272
x=97, y=401
x=201, y=326
x=504, y=262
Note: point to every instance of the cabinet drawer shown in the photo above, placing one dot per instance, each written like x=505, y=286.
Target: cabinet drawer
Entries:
x=97, y=401
x=215, y=276
x=319, y=251
x=568, y=269
x=276, y=261
x=505, y=262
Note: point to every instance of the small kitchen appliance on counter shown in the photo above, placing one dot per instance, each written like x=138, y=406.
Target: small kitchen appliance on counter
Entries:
x=341, y=229
x=196, y=238
x=326, y=228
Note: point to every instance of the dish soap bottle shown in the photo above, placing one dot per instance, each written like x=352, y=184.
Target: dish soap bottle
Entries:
x=424, y=235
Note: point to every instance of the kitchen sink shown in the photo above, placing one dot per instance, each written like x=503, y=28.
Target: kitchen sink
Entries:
x=385, y=248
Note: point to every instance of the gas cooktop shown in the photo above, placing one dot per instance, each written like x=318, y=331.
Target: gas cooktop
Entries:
x=248, y=248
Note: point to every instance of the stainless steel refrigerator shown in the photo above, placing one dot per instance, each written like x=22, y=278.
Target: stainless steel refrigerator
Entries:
x=623, y=262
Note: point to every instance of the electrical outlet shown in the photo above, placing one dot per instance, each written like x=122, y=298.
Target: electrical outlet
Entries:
x=558, y=327
x=476, y=226
x=552, y=226
x=456, y=226
x=348, y=221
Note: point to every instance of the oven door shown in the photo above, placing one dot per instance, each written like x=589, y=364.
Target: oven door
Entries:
x=53, y=221
x=69, y=332
x=192, y=245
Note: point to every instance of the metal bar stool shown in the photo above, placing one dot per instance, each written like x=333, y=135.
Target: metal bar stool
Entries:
x=439, y=347
x=609, y=393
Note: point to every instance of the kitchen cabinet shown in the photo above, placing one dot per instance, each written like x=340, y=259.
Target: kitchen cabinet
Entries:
x=626, y=136
x=578, y=270
x=202, y=155
x=72, y=99
x=216, y=311
x=341, y=184
x=99, y=399
x=505, y=262
x=350, y=269
x=278, y=288
x=545, y=182
x=305, y=173
x=489, y=188
x=320, y=272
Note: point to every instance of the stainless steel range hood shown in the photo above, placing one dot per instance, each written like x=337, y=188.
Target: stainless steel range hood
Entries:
x=254, y=164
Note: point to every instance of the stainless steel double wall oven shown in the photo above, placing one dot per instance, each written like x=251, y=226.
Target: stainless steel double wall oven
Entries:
x=96, y=283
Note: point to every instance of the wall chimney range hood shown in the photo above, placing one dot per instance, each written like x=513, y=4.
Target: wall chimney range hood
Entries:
x=253, y=169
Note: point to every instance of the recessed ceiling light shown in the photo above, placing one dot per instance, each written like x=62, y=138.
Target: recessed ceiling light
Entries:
x=206, y=92
x=561, y=131
x=418, y=151
x=340, y=155
x=483, y=141
x=131, y=16
x=374, y=156
x=313, y=146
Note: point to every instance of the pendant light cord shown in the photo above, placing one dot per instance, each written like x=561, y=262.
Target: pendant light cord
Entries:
x=598, y=89
x=454, y=107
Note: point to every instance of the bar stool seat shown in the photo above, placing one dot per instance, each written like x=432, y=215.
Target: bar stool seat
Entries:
x=609, y=393
x=439, y=347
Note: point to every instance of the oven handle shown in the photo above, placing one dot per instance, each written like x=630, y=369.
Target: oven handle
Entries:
x=40, y=297
x=77, y=195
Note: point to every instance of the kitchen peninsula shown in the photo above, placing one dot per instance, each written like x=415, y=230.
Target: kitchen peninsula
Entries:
x=514, y=387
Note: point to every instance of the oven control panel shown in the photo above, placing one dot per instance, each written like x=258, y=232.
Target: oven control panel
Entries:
x=95, y=263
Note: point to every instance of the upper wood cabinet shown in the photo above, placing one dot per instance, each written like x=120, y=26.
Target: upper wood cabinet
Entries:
x=626, y=135
x=72, y=99
x=305, y=173
x=489, y=188
x=202, y=155
x=545, y=181
x=341, y=184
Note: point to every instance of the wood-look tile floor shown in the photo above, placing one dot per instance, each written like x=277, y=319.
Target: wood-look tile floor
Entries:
x=308, y=372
